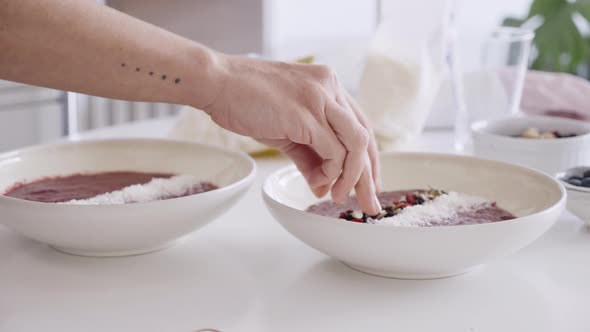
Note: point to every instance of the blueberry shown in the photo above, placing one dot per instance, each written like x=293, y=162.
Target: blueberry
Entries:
x=586, y=182
x=587, y=174
x=575, y=182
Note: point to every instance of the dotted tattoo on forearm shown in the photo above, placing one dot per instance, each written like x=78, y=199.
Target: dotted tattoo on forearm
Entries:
x=151, y=73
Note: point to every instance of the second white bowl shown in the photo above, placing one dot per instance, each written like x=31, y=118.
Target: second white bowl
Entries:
x=425, y=252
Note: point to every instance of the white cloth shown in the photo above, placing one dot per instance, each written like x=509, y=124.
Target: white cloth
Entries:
x=195, y=125
x=556, y=94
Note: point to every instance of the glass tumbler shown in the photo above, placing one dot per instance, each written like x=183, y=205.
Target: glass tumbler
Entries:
x=488, y=83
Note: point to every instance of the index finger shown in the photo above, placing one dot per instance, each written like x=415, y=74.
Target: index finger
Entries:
x=373, y=151
x=355, y=139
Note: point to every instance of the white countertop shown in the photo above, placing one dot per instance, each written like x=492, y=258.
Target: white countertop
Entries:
x=243, y=274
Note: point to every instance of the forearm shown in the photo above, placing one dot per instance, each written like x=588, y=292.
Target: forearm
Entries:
x=81, y=46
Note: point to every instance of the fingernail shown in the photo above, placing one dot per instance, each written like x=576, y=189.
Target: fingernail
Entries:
x=347, y=195
x=377, y=204
x=344, y=197
x=316, y=192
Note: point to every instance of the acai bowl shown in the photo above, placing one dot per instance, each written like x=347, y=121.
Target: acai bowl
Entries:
x=533, y=200
x=118, y=197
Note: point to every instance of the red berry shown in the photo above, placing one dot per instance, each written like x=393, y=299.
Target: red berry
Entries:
x=342, y=215
x=410, y=199
x=357, y=220
x=395, y=202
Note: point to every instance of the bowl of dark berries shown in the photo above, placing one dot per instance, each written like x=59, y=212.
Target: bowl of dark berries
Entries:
x=549, y=144
x=442, y=215
x=577, y=182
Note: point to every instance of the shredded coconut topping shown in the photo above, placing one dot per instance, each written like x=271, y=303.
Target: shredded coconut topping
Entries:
x=156, y=189
x=441, y=208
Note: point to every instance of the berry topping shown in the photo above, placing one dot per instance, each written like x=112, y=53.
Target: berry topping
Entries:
x=408, y=200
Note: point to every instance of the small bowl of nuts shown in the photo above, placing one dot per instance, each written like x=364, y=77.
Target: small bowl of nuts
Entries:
x=577, y=183
x=536, y=133
x=548, y=144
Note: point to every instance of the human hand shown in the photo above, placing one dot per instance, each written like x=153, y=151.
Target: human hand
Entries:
x=303, y=111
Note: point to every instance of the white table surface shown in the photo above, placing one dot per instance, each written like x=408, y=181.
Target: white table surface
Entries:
x=245, y=273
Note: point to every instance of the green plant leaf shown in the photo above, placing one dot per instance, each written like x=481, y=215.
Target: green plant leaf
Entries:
x=559, y=39
x=546, y=7
x=582, y=7
x=512, y=22
x=559, y=44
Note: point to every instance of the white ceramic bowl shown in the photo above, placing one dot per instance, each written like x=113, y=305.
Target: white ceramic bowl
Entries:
x=425, y=252
x=578, y=198
x=114, y=230
x=493, y=140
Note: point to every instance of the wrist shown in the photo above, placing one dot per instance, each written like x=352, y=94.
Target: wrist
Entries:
x=209, y=74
